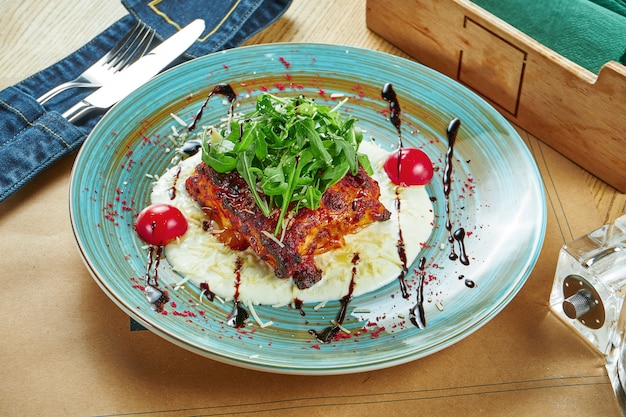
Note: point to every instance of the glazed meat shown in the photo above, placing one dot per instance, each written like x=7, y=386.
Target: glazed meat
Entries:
x=346, y=207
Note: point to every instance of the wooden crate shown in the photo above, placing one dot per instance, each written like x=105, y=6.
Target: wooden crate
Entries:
x=581, y=115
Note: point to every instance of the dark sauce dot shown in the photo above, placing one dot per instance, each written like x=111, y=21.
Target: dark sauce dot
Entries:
x=298, y=305
x=238, y=316
x=191, y=147
x=207, y=291
x=459, y=236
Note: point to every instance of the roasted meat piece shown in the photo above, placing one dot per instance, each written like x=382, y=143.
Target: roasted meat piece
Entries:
x=346, y=207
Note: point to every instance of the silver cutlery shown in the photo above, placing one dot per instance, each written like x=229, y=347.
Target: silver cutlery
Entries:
x=133, y=46
x=125, y=82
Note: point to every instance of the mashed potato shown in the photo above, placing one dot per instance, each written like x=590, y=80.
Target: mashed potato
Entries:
x=200, y=258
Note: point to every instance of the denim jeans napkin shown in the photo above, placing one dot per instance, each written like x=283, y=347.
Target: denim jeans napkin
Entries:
x=33, y=137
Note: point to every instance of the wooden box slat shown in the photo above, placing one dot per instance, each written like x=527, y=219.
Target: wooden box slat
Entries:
x=581, y=115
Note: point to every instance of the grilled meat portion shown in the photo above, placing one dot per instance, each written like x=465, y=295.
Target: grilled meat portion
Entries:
x=346, y=207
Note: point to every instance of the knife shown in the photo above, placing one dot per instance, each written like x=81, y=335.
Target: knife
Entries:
x=133, y=77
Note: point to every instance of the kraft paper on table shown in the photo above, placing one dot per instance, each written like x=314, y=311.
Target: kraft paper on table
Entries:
x=68, y=350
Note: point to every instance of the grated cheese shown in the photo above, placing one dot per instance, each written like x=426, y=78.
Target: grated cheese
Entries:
x=273, y=238
x=178, y=119
x=343, y=329
x=257, y=318
x=320, y=306
x=182, y=282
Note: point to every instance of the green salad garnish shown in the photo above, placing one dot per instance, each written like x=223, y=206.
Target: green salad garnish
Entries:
x=289, y=150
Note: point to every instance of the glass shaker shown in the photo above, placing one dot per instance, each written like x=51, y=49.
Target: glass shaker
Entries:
x=588, y=293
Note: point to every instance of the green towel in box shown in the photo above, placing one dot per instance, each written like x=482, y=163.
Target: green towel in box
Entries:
x=617, y=6
x=587, y=32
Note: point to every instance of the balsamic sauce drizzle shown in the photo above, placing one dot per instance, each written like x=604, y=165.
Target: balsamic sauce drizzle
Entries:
x=416, y=313
x=206, y=290
x=238, y=316
x=459, y=234
x=156, y=297
x=222, y=89
x=419, y=319
x=328, y=334
x=191, y=147
x=389, y=95
x=298, y=305
x=172, y=191
x=401, y=252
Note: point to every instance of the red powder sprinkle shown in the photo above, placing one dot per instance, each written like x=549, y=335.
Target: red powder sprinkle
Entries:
x=225, y=66
x=186, y=313
x=285, y=62
x=341, y=335
x=318, y=347
x=376, y=333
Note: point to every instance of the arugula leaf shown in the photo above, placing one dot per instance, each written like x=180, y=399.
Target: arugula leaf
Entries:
x=250, y=175
x=289, y=150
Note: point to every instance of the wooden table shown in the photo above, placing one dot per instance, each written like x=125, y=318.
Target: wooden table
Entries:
x=67, y=349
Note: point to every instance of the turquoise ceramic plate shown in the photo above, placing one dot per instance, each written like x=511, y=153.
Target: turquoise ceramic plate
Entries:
x=497, y=197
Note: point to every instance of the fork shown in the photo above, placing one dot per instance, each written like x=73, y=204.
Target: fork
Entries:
x=133, y=46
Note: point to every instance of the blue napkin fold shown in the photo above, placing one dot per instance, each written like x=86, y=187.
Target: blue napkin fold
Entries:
x=33, y=137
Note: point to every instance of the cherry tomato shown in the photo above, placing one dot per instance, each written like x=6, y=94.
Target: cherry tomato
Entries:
x=159, y=224
x=415, y=167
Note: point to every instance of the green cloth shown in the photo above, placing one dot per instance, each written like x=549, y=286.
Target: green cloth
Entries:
x=587, y=32
x=617, y=6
